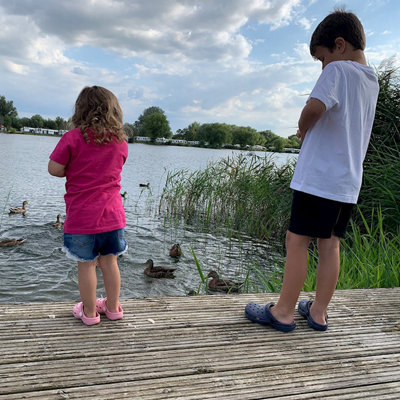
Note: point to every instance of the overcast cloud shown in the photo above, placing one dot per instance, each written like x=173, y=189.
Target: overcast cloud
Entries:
x=233, y=61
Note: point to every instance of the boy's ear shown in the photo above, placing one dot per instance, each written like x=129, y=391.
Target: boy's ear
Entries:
x=340, y=44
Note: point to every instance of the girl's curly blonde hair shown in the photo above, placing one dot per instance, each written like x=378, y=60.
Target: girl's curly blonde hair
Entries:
x=97, y=109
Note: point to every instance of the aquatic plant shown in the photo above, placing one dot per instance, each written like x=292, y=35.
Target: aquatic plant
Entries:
x=251, y=196
x=381, y=186
x=369, y=258
x=245, y=194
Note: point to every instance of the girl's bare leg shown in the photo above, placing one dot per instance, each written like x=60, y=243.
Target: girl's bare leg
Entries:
x=112, y=280
x=87, y=281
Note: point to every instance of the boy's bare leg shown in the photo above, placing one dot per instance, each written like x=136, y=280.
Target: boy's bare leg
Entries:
x=294, y=276
x=327, y=277
x=112, y=280
x=87, y=282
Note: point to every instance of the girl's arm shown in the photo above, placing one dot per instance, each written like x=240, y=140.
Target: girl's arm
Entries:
x=311, y=113
x=56, y=169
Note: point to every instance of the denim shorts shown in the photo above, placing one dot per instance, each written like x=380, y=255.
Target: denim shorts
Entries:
x=89, y=247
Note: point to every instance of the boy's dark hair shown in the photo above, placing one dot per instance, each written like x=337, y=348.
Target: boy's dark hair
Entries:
x=339, y=23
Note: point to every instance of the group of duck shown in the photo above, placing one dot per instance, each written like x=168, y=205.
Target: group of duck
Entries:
x=216, y=284
x=22, y=211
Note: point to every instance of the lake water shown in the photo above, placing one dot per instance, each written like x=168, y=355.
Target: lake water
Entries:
x=39, y=271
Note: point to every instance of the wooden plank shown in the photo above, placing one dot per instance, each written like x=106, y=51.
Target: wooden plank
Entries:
x=202, y=348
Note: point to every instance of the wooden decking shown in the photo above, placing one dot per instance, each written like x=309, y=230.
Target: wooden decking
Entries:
x=202, y=348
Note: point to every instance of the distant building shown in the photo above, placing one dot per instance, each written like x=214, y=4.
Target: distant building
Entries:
x=141, y=139
x=178, y=141
x=258, y=148
x=291, y=150
x=162, y=140
x=43, y=131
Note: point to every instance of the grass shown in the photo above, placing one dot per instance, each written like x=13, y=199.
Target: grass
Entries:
x=369, y=258
x=241, y=195
x=251, y=196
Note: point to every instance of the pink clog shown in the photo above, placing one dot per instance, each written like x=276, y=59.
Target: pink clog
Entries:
x=78, y=313
x=101, y=308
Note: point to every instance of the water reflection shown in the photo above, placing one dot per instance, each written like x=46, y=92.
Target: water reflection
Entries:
x=39, y=271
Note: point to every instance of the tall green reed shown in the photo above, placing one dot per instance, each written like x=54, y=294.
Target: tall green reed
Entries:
x=243, y=194
x=381, y=186
x=252, y=196
x=369, y=257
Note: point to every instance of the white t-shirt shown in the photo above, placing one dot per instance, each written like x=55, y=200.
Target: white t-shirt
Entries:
x=333, y=151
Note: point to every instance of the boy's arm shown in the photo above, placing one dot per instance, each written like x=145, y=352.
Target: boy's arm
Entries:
x=310, y=114
x=56, y=169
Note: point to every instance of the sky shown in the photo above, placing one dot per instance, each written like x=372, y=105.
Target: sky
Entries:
x=241, y=62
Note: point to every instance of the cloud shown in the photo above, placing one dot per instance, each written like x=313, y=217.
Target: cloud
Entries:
x=16, y=68
x=185, y=30
x=202, y=60
x=306, y=23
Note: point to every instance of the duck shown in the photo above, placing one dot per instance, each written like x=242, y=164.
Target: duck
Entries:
x=158, y=272
x=16, y=210
x=144, y=184
x=124, y=195
x=11, y=242
x=218, y=284
x=175, y=251
x=58, y=223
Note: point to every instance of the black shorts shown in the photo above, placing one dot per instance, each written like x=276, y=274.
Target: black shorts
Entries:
x=318, y=217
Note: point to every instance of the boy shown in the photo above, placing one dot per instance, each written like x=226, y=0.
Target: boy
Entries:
x=334, y=127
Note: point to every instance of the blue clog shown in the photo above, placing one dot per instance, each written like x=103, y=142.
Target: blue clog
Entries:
x=304, y=310
x=262, y=315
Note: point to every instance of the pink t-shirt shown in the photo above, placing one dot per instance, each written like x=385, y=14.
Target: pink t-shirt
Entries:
x=93, y=200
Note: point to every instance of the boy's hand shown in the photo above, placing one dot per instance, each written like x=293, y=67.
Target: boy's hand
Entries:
x=300, y=135
x=310, y=114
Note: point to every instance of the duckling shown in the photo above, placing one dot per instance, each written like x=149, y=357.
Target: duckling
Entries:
x=124, y=195
x=144, y=184
x=58, y=223
x=16, y=210
x=11, y=242
x=158, y=272
x=221, y=285
x=175, y=251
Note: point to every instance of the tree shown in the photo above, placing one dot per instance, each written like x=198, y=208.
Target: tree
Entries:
x=61, y=123
x=49, y=124
x=148, y=123
x=215, y=134
x=188, y=133
x=293, y=141
x=37, y=121
x=25, y=121
x=156, y=125
x=273, y=141
x=240, y=135
x=8, y=113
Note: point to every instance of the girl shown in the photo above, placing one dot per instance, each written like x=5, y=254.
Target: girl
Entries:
x=91, y=157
